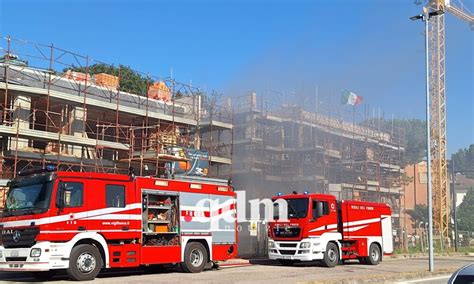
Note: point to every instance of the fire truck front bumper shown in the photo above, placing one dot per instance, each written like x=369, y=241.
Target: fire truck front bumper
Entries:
x=40, y=257
x=304, y=250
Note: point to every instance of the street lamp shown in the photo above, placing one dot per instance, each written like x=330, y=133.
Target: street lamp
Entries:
x=425, y=17
x=453, y=185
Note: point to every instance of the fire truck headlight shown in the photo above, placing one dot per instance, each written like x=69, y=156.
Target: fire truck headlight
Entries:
x=305, y=245
x=36, y=252
x=271, y=244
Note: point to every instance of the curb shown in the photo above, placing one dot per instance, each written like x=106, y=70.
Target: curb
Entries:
x=416, y=255
x=380, y=278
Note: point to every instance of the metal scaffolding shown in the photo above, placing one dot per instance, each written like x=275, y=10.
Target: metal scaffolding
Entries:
x=286, y=147
x=49, y=116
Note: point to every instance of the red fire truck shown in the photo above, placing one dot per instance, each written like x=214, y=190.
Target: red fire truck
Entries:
x=83, y=222
x=319, y=227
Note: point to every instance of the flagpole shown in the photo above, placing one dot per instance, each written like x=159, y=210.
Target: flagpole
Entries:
x=353, y=150
x=353, y=116
x=329, y=108
x=316, y=100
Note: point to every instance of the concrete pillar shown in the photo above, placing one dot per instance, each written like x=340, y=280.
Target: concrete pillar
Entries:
x=77, y=117
x=197, y=141
x=252, y=100
x=21, y=120
x=250, y=127
x=282, y=136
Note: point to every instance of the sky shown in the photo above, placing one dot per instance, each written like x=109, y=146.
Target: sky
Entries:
x=290, y=47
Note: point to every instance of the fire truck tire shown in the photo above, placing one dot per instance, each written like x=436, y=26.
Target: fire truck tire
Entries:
x=195, y=258
x=286, y=262
x=85, y=263
x=44, y=275
x=374, y=255
x=331, y=257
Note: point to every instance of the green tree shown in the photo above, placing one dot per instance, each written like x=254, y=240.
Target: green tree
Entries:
x=130, y=80
x=464, y=161
x=414, y=138
x=465, y=212
x=418, y=214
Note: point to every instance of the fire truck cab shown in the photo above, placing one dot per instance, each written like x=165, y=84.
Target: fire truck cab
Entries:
x=319, y=227
x=83, y=222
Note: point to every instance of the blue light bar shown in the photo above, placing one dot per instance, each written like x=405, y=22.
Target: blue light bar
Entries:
x=33, y=171
x=50, y=168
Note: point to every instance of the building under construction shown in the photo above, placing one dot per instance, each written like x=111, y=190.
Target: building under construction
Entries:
x=286, y=148
x=77, y=121
x=88, y=122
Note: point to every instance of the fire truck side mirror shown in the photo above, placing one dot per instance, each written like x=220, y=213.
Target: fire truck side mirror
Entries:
x=60, y=200
x=131, y=173
x=318, y=209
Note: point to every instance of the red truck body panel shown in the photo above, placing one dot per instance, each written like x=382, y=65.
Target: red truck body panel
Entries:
x=122, y=227
x=353, y=225
x=362, y=219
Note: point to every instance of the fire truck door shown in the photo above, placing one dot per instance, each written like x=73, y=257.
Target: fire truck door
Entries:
x=116, y=213
x=74, y=196
x=387, y=234
x=322, y=219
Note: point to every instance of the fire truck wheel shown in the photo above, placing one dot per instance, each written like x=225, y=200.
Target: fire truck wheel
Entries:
x=331, y=257
x=195, y=258
x=286, y=262
x=85, y=263
x=374, y=255
x=44, y=275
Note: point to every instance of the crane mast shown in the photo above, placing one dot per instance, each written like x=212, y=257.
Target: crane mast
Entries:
x=437, y=89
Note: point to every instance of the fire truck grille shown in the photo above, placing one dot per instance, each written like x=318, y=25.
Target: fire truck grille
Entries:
x=287, y=252
x=21, y=238
x=8, y=259
x=287, y=232
x=283, y=245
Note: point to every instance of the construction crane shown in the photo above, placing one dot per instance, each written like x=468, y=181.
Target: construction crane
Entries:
x=437, y=89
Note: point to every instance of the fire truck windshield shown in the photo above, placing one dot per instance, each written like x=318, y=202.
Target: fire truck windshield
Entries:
x=297, y=208
x=28, y=197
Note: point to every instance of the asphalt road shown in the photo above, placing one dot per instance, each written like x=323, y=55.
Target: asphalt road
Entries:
x=264, y=271
x=441, y=279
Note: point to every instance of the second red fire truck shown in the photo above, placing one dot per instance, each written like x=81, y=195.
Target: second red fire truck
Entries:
x=319, y=227
x=83, y=222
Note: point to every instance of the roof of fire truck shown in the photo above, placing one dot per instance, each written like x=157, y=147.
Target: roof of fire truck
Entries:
x=306, y=195
x=327, y=197
x=203, y=184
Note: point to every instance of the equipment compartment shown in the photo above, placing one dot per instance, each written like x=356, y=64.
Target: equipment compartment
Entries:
x=160, y=219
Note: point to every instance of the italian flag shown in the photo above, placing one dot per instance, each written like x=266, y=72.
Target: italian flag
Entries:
x=349, y=98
